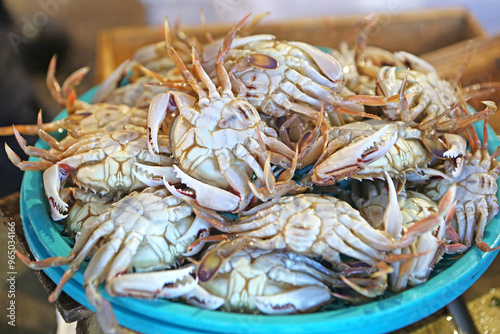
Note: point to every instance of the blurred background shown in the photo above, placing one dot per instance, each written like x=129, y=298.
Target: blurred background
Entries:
x=32, y=30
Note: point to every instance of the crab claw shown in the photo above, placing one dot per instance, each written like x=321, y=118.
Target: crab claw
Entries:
x=354, y=157
x=202, y=298
x=160, y=105
x=203, y=227
x=457, y=149
x=301, y=300
x=162, y=284
x=204, y=194
x=393, y=218
x=328, y=64
x=154, y=176
x=52, y=178
x=452, y=147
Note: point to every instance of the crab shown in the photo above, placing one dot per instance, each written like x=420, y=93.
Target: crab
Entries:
x=215, y=139
x=311, y=225
x=101, y=162
x=84, y=207
x=366, y=149
x=378, y=205
x=145, y=232
x=270, y=282
x=476, y=191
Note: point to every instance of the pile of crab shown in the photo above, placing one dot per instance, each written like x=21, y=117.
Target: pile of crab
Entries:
x=257, y=175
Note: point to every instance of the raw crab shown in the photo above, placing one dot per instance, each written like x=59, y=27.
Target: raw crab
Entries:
x=366, y=149
x=84, y=208
x=271, y=282
x=434, y=96
x=101, y=162
x=476, y=191
x=283, y=78
x=143, y=232
x=377, y=205
x=213, y=139
x=312, y=225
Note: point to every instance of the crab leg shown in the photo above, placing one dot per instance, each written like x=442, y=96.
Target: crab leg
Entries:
x=111, y=82
x=202, y=96
x=26, y=165
x=160, y=105
x=83, y=246
x=212, y=90
x=34, y=151
x=446, y=204
x=270, y=187
x=483, y=219
x=61, y=94
x=235, y=176
x=104, y=312
x=32, y=129
x=393, y=225
x=53, y=143
x=222, y=74
x=210, y=52
x=393, y=218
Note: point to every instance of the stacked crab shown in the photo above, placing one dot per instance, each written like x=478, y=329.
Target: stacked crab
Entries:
x=317, y=176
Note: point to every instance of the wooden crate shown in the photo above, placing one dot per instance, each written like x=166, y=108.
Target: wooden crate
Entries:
x=416, y=32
